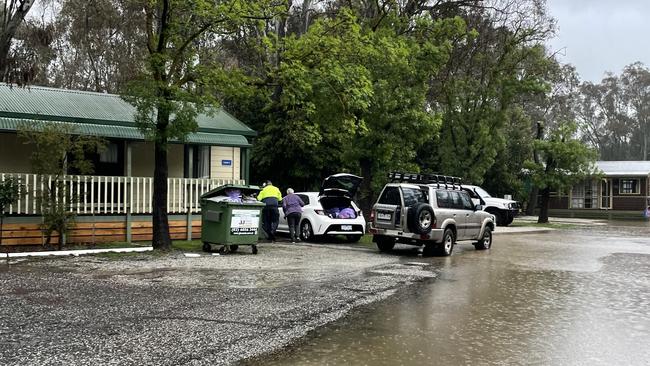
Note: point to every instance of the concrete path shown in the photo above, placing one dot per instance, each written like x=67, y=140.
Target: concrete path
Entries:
x=563, y=220
x=514, y=230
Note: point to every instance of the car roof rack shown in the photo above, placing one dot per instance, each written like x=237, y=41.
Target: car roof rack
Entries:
x=438, y=179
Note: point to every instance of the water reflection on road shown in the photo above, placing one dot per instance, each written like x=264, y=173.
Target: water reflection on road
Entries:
x=576, y=297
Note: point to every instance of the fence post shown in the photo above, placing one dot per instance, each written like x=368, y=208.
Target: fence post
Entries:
x=189, y=225
x=128, y=204
x=128, y=225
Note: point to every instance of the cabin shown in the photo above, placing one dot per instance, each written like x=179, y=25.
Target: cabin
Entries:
x=114, y=204
x=621, y=191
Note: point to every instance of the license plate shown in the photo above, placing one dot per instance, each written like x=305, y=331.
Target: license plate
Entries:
x=346, y=227
x=384, y=216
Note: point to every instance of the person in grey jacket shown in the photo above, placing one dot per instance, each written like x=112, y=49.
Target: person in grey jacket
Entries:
x=292, y=207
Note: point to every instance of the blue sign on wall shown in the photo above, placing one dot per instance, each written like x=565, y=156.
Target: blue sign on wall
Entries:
x=226, y=162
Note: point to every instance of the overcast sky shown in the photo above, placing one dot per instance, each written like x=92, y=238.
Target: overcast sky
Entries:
x=601, y=35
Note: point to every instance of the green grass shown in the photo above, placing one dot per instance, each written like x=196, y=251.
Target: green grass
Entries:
x=120, y=256
x=177, y=246
x=188, y=246
x=366, y=241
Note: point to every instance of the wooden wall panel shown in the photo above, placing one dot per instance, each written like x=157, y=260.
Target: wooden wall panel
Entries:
x=631, y=203
x=98, y=232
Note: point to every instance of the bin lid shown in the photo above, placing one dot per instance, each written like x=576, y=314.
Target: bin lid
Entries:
x=221, y=190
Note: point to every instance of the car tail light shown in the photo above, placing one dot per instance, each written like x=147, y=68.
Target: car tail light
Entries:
x=320, y=212
x=372, y=215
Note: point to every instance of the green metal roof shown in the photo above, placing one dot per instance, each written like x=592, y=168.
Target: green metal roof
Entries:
x=41, y=103
x=124, y=132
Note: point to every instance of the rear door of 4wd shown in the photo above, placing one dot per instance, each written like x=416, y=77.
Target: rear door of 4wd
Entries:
x=388, y=210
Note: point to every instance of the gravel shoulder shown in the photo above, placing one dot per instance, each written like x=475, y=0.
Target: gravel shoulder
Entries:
x=172, y=310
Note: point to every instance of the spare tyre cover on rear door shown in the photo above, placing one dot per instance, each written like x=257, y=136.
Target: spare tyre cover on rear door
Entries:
x=419, y=218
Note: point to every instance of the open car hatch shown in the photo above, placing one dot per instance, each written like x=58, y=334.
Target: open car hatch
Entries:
x=341, y=184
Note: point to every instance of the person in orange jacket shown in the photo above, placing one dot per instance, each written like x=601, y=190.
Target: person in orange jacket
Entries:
x=271, y=197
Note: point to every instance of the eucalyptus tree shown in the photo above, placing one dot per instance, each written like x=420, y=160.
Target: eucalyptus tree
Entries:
x=182, y=77
x=12, y=15
x=635, y=82
x=482, y=81
x=563, y=161
x=613, y=115
x=97, y=45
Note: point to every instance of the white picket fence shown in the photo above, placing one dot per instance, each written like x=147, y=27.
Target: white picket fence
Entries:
x=103, y=195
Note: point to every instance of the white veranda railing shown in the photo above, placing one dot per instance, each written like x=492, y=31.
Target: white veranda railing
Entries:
x=94, y=195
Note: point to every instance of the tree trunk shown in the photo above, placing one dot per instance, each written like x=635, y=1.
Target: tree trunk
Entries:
x=60, y=243
x=4, y=58
x=534, y=192
x=532, y=201
x=8, y=29
x=645, y=145
x=366, y=188
x=543, y=210
x=161, y=239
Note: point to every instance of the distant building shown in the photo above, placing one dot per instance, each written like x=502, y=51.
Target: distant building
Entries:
x=622, y=187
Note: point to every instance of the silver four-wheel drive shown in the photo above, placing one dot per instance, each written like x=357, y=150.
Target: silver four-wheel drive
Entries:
x=431, y=211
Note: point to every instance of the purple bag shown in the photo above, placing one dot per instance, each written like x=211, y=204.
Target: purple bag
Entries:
x=347, y=213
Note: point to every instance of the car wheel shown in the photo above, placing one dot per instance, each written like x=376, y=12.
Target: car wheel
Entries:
x=498, y=217
x=306, y=232
x=486, y=240
x=509, y=220
x=385, y=244
x=353, y=238
x=419, y=218
x=447, y=246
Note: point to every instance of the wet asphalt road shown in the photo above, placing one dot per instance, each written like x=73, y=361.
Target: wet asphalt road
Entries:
x=571, y=297
x=173, y=310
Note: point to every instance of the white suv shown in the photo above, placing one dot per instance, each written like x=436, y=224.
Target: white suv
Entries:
x=504, y=210
x=431, y=211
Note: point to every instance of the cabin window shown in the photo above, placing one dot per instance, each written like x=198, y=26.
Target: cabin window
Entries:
x=629, y=186
x=585, y=195
x=197, y=161
x=109, y=154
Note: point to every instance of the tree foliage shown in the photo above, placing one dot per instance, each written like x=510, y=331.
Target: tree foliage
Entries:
x=452, y=86
x=182, y=75
x=10, y=190
x=614, y=115
x=15, y=66
x=55, y=150
x=564, y=161
x=481, y=85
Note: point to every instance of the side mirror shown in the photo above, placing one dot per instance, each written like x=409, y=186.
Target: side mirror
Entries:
x=478, y=208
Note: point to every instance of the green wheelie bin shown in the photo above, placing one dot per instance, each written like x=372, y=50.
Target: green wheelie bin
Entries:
x=231, y=216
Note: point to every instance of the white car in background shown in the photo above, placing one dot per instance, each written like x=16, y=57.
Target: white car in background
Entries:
x=318, y=220
x=504, y=210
